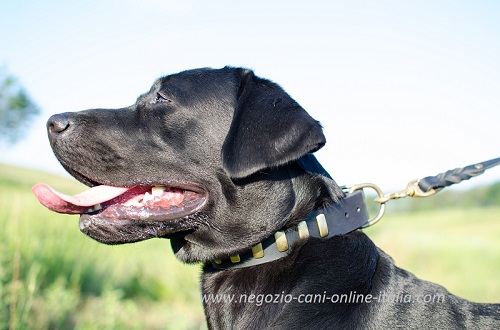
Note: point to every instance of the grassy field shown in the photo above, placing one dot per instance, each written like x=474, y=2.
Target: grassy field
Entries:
x=53, y=277
x=456, y=248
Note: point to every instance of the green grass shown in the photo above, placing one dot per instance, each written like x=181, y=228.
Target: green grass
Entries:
x=54, y=277
x=456, y=248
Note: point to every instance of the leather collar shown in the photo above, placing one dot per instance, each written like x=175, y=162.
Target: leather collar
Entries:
x=336, y=219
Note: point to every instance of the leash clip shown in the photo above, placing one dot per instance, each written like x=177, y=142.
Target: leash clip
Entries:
x=411, y=190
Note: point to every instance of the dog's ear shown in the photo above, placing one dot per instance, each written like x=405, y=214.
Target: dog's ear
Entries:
x=269, y=128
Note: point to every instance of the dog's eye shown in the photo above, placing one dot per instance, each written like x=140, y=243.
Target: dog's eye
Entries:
x=159, y=98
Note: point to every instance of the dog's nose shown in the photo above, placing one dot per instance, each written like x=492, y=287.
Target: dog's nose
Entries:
x=57, y=125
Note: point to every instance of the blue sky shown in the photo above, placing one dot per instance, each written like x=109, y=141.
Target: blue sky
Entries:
x=403, y=89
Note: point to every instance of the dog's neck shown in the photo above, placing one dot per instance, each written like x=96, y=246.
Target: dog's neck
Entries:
x=336, y=219
x=237, y=298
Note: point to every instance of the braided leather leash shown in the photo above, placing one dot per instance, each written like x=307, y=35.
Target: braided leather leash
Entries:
x=455, y=176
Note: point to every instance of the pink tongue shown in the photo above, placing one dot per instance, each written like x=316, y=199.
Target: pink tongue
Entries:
x=77, y=204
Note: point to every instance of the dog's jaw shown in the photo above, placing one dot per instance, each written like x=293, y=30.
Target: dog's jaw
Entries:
x=130, y=231
x=129, y=214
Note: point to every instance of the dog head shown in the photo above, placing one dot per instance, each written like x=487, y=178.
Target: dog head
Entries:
x=210, y=158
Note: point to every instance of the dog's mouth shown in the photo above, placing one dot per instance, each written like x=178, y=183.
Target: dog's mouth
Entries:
x=141, y=202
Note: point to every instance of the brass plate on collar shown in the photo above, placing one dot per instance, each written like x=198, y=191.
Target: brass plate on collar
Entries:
x=235, y=258
x=281, y=242
x=303, y=230
x=322, y=225
x=258, y=251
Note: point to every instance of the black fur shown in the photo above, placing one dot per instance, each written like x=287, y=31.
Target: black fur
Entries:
x=246, y=143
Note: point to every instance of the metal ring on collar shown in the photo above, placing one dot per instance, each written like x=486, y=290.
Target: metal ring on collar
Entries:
x=353, y=188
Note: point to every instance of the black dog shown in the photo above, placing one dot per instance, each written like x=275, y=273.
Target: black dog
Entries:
x=219, y=161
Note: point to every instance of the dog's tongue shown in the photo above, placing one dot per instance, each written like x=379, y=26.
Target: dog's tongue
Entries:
x=77, y=204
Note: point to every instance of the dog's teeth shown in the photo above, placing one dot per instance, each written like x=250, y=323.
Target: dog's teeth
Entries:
x=157, y=190
x=95, y=208
x=147, y=197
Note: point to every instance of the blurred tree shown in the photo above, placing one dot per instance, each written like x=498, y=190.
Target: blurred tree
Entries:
x=16, y=109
